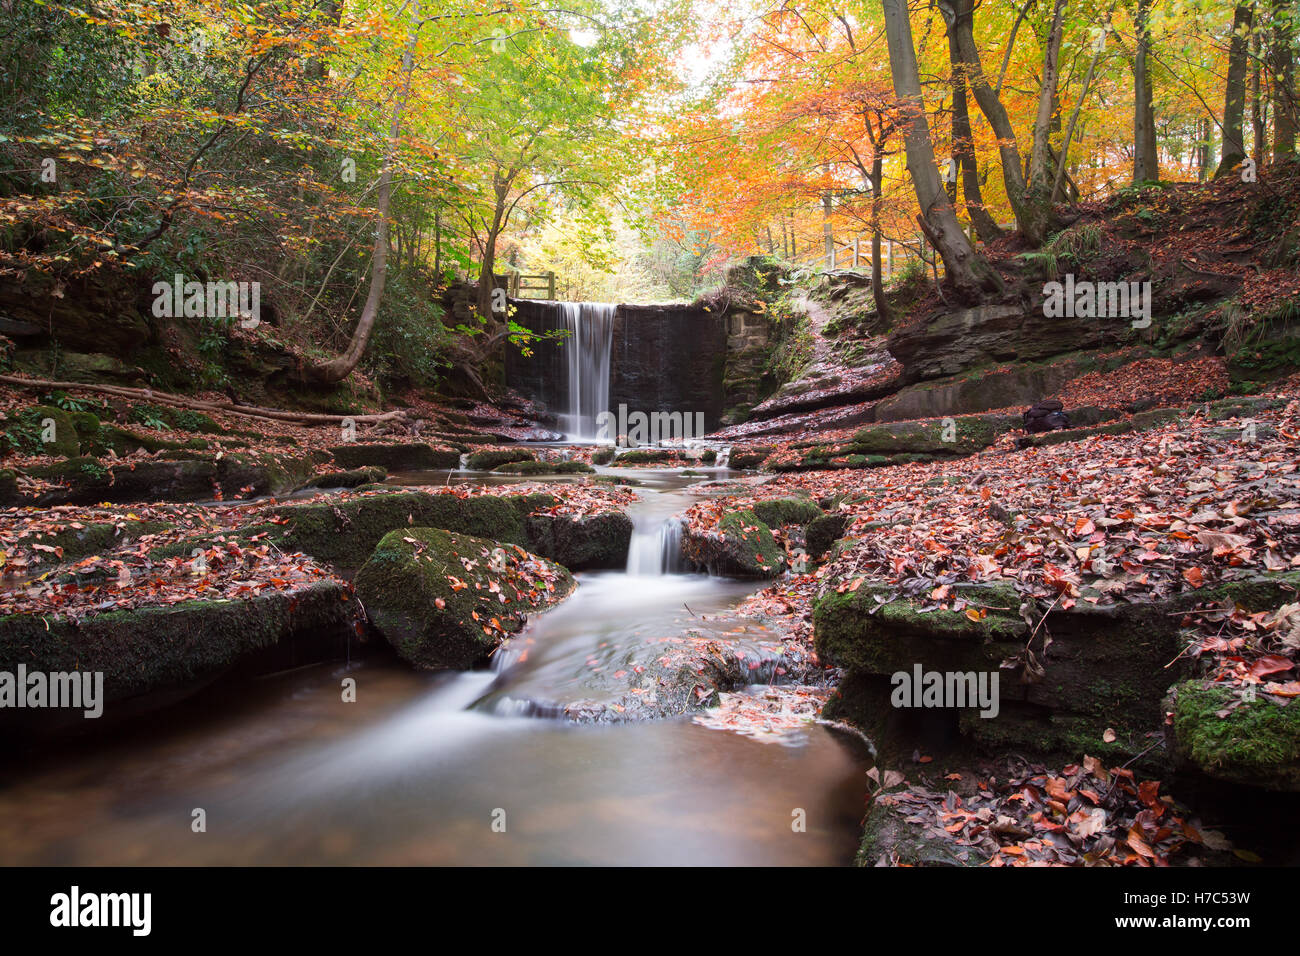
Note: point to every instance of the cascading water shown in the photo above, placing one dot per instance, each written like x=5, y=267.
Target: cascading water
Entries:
x=588, y=346
x=656, y=548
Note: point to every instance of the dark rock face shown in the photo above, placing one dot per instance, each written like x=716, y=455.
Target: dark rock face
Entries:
x=669, y=358
x=664, y=358
x=953, y=342
x=1018, y=385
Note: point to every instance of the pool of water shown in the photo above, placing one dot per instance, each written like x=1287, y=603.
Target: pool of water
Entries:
x=443, y=769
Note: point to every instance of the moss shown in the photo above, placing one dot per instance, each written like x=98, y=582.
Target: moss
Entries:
x=345, y=533
x=27, y=431
x=353, y=478
x=434, y=594
x=1255, y=743
x=646, y=456
x=488, y=460
x=603, y=455
x=741, y=546
x=821, y=533
x=783, y=511
x=405, y=456
x=97, y=537
x=854, y=630
x=751, y=457
x=545, y=468
x=887, y=837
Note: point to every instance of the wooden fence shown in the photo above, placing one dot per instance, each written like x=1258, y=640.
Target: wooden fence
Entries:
x=520, y=286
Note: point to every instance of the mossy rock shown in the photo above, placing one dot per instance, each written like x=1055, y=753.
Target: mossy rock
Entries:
x=962, y=435
x=179, y=647
x=9, y=494
x=354, y=478
x=751, y=457
x=581, y=543
x=27, y=432
x=96, y=537
x=488, y=460
x=603, y=455
x=785, y=511
x=646, y=456
x=179, y=419
x=1256, y=743
x=544, y=468
x=344, y=533
x=403, y=456
x=822, y=532
x=740, y=546
x=889, y=840
x=434, y=594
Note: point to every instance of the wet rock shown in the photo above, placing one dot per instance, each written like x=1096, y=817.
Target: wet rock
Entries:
x=447, y=600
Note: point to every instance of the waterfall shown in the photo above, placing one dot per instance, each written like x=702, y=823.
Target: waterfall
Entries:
x=656, y=549
x=724, y=458
x=587, y=348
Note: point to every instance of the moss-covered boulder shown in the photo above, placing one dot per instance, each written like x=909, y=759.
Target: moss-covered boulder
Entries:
x=40, y=430
x=603, y=455
x=545, y=468
x=493, y=457
x=396, y=456
x=740, y=546
x=447, y=600
x=1219, y=732
x=647, y=456
x=581, y=543
x=344, y=533
x=776, y=512
x=353, y=478
x=822, y=532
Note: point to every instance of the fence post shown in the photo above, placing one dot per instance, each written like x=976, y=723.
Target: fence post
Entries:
x=550, y=281
x=856, y=240
x=889, y=256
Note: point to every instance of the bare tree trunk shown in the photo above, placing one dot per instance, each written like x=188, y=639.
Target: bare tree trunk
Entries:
x=1234, y=96
x=963, y=148
x=1038, y=199
x=1283, y=64
x=487, y=274
x=1257, y=104
x=966, y=270
x=340, y=368
x=1146, y=162
x=959, y=16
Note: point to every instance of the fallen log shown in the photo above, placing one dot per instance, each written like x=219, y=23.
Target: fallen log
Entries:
x=195, y=404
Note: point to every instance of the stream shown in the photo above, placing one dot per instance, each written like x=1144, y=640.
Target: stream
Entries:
x=455, y=768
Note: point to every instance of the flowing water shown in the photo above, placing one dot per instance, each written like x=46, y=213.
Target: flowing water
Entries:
x=454, y=768
x=587, y=352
